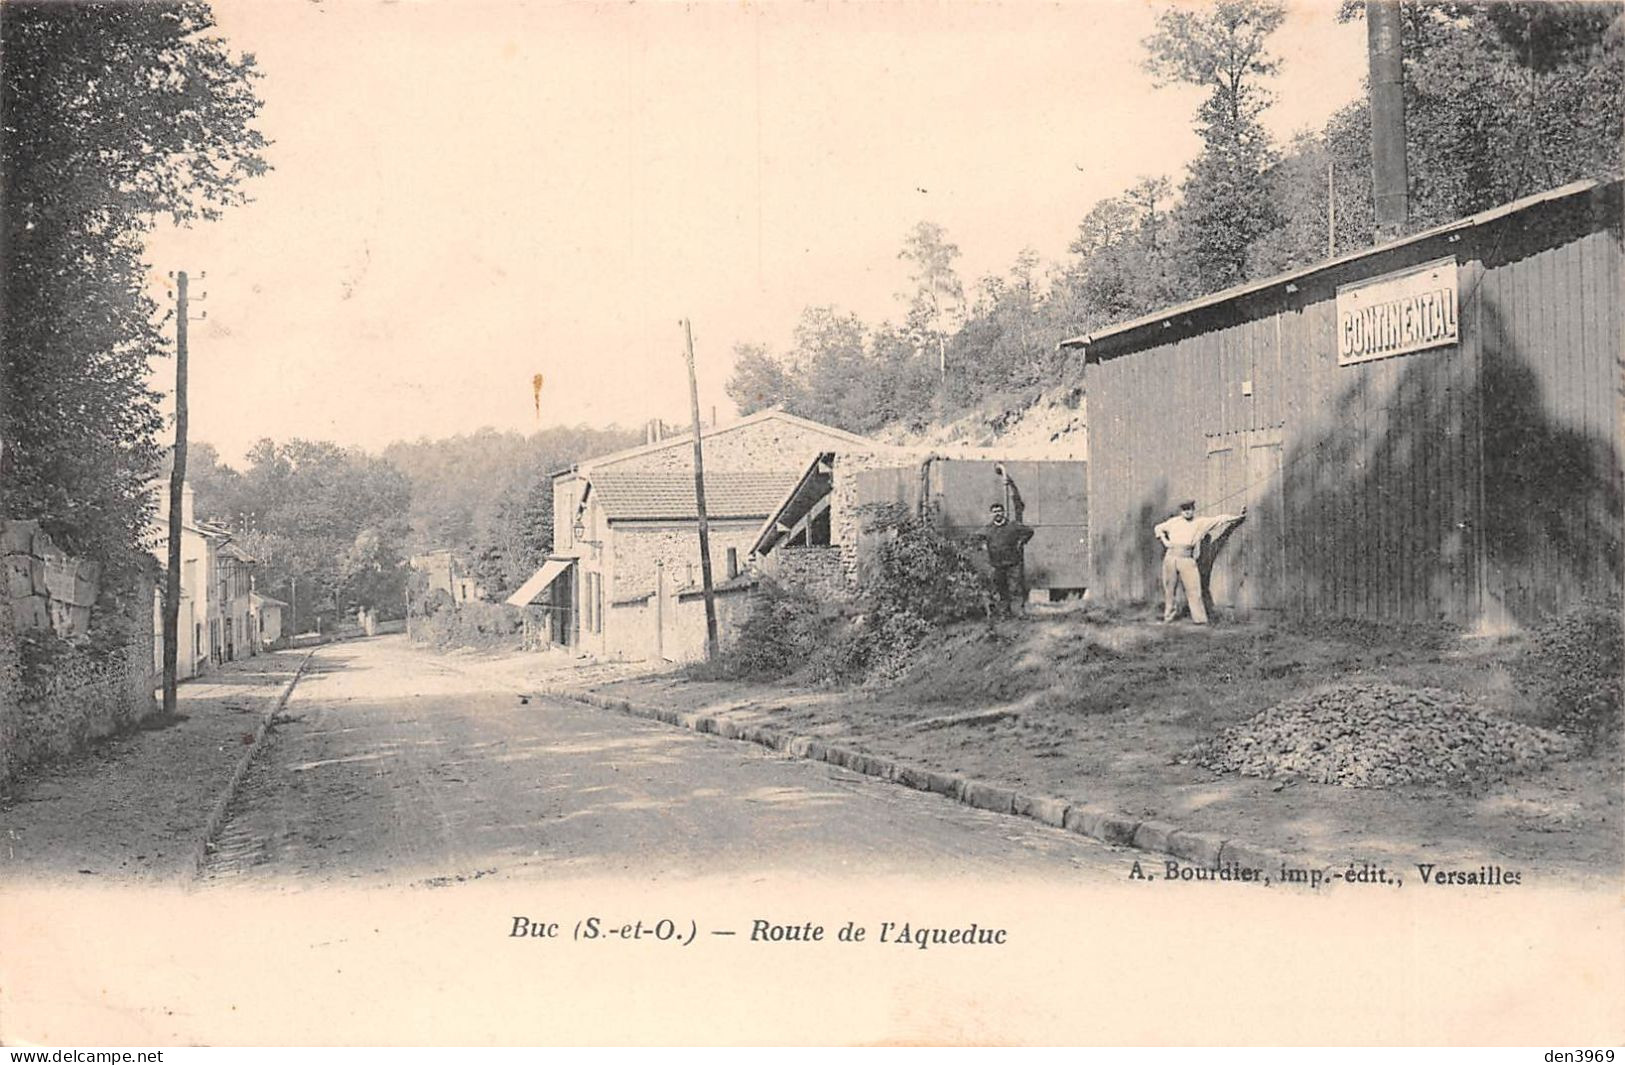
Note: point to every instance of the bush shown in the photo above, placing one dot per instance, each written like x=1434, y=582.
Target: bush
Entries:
x=481, y=625
x=919, y=571
x=1571, y=671
x=784, y=630
x=919, y=581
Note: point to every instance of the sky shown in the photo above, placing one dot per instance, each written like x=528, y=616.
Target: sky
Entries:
x=468, y=193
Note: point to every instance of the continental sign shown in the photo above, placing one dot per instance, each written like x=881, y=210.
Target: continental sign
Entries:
x=1397, y=313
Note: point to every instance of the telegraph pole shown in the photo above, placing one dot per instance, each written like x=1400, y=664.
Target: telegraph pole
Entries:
x=177, y=487
x=1331, y=211
x=699, y=502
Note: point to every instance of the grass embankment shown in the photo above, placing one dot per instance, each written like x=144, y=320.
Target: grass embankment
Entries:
x=1109, y=708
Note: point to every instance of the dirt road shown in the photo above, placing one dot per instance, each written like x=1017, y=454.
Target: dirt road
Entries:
x=392, y=765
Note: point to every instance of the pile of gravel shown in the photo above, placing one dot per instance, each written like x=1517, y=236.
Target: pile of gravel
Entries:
x=1379, y=735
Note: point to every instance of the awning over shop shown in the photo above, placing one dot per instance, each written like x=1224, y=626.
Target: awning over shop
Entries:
x=539, y=581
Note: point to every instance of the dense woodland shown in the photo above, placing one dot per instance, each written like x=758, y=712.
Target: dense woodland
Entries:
x=1502, y=100
x=343, y=523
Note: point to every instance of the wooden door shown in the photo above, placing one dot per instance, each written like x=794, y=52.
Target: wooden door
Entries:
x=1243, y=569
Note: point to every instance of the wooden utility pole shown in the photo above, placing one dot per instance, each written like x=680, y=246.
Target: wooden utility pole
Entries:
x=699, y=501
x=177, y=492
x=1331, y=211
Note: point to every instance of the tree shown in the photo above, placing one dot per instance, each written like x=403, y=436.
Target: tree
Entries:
x=116, y=114
x=1545, y=107
x=938, y=297
x=1125, y=267
x=1225, y=201
x=760, y=381
x=332, y=519
x=373, y=575
x=1543, y=111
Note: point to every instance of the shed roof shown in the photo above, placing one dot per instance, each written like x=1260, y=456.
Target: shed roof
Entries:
x=808, y=488
x=1166, y=314
x=628, y=495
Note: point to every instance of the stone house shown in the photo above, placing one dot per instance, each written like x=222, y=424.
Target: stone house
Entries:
x=233, y=625
x=218, y=621
x=198, y=548
x=623, y=577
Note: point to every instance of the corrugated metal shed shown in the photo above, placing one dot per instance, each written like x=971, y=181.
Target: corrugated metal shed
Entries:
x=1478, y=480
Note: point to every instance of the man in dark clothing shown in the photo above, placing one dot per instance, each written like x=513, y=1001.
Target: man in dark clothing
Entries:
x=1004, y=539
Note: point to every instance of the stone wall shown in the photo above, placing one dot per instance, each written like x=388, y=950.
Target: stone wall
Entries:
x=11, y=696
x=45, y=588
x=819, y=571
x=685, y=623
x=845, y=523
x=639, y=547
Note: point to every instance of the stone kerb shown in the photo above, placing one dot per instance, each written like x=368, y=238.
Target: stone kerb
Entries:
x=1099, y=823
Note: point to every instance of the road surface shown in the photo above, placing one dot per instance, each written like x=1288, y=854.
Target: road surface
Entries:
x=390, y=764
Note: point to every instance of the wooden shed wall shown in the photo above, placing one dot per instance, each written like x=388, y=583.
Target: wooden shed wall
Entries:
x=1552, y=447
x=1453, y=482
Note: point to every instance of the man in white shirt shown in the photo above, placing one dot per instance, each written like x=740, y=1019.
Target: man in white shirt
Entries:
x=1181, y=537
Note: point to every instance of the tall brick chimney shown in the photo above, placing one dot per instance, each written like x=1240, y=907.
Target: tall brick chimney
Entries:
x=1389, y=177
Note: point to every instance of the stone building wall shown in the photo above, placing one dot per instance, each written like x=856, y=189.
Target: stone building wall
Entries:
x=766, y=445
x=685, y=623
x=845, y=522
x=639, y=547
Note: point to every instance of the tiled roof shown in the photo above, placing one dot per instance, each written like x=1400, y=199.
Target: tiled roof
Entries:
x=635, y=494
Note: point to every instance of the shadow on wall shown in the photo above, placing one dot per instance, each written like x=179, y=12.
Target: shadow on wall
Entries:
x=1136, y=550
x=1553, y=501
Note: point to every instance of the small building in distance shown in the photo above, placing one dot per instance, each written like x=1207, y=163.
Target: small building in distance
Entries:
x=446, y=572
x=267, y=613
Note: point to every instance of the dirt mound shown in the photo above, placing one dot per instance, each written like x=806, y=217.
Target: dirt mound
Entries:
x=1379, y=735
